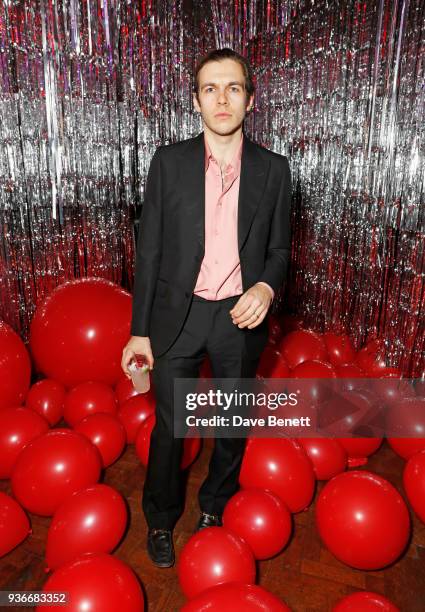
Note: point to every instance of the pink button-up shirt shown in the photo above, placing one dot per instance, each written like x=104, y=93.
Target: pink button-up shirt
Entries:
x=220, y=274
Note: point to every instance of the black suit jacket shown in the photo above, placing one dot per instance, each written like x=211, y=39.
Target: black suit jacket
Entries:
x=171, y=240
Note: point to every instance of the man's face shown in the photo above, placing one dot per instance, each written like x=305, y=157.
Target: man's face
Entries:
x=222, y=99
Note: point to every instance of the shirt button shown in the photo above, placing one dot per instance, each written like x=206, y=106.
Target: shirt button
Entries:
x=216, y=232
x=215, y=261
x=219, y=203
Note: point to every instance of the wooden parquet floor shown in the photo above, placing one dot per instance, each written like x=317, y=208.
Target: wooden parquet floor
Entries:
x=305, y=575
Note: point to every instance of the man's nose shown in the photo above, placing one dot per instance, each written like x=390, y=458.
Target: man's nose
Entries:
x=222, y=98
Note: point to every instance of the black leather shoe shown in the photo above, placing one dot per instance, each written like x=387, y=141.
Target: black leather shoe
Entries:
x=160, y=547
x=208, y=520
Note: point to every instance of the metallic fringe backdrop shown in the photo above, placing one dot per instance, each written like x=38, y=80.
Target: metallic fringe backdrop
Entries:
x=89, y=88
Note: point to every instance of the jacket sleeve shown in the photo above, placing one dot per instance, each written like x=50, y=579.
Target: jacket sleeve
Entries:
x=279, y=247
x=148, y=253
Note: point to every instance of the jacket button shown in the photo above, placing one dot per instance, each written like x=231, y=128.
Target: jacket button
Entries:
x=187, y=294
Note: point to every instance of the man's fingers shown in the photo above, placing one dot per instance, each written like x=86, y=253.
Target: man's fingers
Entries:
x=127, y=356
x=259, y=320
x=254, y=306
x=240, y=305
x=255, y=318
x=247, y=308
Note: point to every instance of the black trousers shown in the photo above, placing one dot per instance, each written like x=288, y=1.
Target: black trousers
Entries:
x=208, y=330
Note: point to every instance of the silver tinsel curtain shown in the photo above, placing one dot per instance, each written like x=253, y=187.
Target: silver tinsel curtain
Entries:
x=89, y=88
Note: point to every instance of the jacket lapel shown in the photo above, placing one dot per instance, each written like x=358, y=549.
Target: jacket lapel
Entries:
x=192, y=186
x=254, y=171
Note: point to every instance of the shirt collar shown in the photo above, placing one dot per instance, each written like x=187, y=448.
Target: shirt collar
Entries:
x=236, y=161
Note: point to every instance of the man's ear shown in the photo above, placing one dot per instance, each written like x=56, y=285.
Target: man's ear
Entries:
x=250, y=104
x=196, y=102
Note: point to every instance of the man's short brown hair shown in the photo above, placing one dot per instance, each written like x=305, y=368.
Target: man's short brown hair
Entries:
x=217, y=55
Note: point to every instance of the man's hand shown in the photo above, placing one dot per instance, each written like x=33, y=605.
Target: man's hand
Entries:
x=137, y=345
x=251, y=308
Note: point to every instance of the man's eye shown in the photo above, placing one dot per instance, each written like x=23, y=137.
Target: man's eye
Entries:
x=235, y=88
x=209, y=89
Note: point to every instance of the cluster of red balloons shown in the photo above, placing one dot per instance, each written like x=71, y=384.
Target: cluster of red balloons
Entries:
x=76, y=341
x=361, y=518
x=217, y=566
x=294, y=352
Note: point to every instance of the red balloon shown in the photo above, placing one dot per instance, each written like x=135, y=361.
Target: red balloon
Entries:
x=313, y=369
x=363, y=520
x=91, y=520
x=302, y=345
x=371, y=358
x=14, y=524
x=124, y=390
x=314, y=390
x=134, y=412
x=78, y=333
x=235, y=596
x=352, y=377
x=350, y=413
x=349, y=370
x=281, y=466
x=407, y=447
x=214, y=556
x=191, y=446
x=53, y=466
x=359, y=449
x=406, y=418
x=15, y=368
x=272, y=364
x=89, y=398
x=47, y=397
x=261, y=519
x=18, y=426
x=327, y=456
x=340, y=349
x=107, y=433
x=414, y=483
x=392, y=390
x=366, y=602
x=96, y=582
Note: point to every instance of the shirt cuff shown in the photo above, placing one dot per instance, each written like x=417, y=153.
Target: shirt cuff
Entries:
x=268, y=286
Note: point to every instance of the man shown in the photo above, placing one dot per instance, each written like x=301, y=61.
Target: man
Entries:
x=213, y=248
